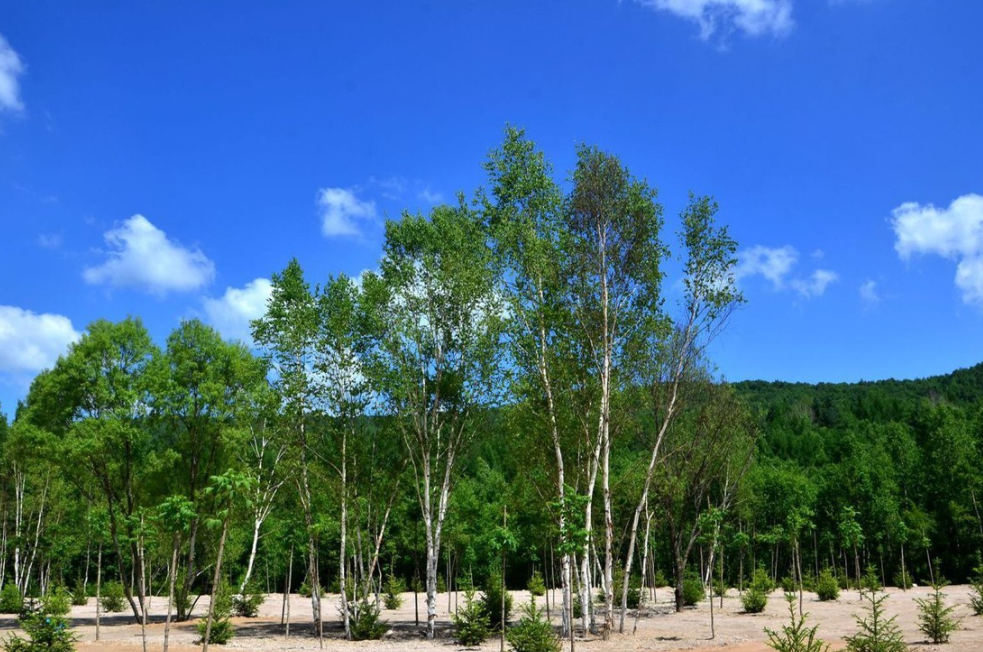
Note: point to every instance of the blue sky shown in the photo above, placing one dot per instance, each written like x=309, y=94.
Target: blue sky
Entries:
x=164, y=159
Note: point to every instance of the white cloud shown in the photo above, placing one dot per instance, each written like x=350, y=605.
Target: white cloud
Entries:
x=430, y=196
x=955, y=233
x=772, y=263
x=30, y=342
x=52, y=241
x=11, y=68
x=752, y=17
x=232, y=313
x=142, y=256
x=341, y=212
x=776, y=264
x=868, y=292
x=815, y=284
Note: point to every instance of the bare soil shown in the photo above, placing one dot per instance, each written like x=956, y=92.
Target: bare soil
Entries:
x=659, y=627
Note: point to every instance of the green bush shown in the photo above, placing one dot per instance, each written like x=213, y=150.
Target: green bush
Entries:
x=305, y=589
x=796, y=636
x=660, y=579
x=366, y=624
x=491, y=602
x=693, y=592
x=634, y=590
x=976, y=590
x=113, y=599
x=719, y=588
x=536, y=584
x=45, y=633
x=827, y=588
x=11, y=601
x=471, y=624
x=789, y=585
x=441, y=584
x=578, y=607
x=902, y=580
x=870, y=581
x=79, y=595
x=222, y=629
x=755, y=598
x=533, y=633
x=248, y=603
x=392, y=598
x=58, y=602
x=935, y=618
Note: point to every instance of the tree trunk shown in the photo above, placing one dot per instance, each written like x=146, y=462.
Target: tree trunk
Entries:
x=215, y=581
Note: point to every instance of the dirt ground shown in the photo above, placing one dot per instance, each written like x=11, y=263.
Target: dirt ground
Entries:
x=659, y=628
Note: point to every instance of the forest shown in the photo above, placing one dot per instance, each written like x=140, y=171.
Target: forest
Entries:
x=522, y=391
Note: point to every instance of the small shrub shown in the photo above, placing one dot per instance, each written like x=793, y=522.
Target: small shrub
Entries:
x=533, y=633
x=935, y=618
x=471, y=624
x=755, y=598
x=693, y=592
x=659, y=580
x=902, y=580
x=870, y=581
x=392, y=598
x=719, y=588
x=578, y=607
x=827, y=588
x=796, y=636
x=45, y=633
x=491, y=602
x=876, y=633
x=305, y=589
x=11, y=601
x=366, y=624
x=247, y=604
x=58, y=602
x=536, y=584
x=113, y=599
x=789, y=585
x=976, y=590
x=79, y=595
x=441, y=584
x=222, y=629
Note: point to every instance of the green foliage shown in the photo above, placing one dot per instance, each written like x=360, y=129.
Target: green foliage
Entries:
x=693, y=592
x=58, y=602
x=755, y=597
x=827, y=588
x=870, y=581
x=719, y=587
x=536, y=586
x=471, y=624
x=578, y=607
x=222, y=629
x=113, y=599
x=876, y=633
x=491, y=602
x=660, y=579
x=533, y=633
x=392, y=599
x=305, y=590
x=976, y=590
x=366, y=623
x=247, y=604
x=789, y=585
x=902, y=580
x=935, y=618
x=796, y=636
x=79, y=595
x=45, y=633
x=11, y=601
x=441, y=584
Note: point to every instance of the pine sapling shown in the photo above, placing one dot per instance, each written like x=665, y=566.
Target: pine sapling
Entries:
x=976, y=590
x=935, y=618
x=876, y=633
x=796, y=636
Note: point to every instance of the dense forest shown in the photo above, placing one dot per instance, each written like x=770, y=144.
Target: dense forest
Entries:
x=515, y=387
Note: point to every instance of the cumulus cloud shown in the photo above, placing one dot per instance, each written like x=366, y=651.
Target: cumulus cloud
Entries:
x=775, y=264
x=232, y=312
x=772, y=263
x=11, y=68
x=342, y=212
x=815, y=284
x=752, y=17
x=868, y=292
x=955, y=233
x=142, y=256
x=30, y=342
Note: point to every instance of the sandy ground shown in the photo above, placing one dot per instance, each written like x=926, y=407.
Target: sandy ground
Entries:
x=659, y=628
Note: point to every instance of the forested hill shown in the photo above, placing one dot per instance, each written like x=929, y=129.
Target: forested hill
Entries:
x=895, y=462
